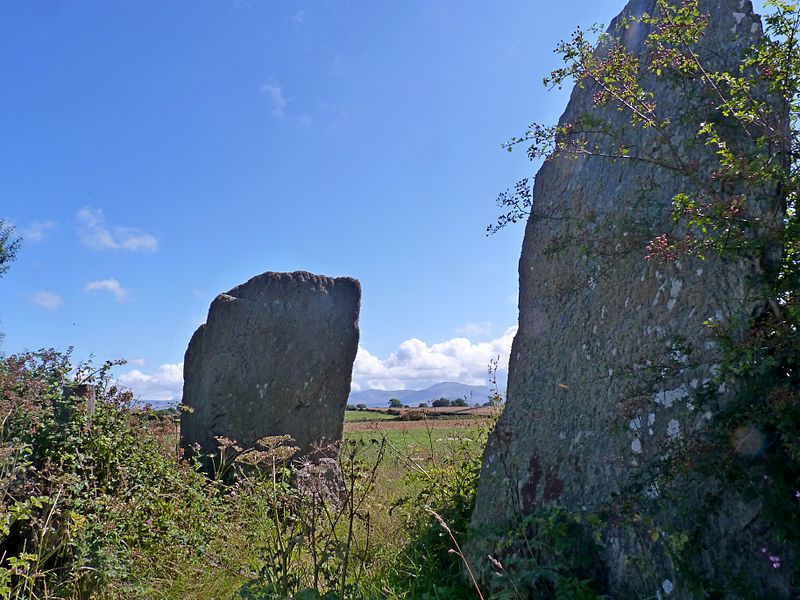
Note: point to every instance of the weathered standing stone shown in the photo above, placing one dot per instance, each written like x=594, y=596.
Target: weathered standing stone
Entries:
x=274, y=357
x=593, y=325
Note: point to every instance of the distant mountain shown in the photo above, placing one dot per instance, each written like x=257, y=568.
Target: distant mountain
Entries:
x=156, y=404
x=449, y=390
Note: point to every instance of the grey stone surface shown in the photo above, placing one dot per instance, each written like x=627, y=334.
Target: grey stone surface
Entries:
x=322, y=481
x=599, y=378
x=274, y=357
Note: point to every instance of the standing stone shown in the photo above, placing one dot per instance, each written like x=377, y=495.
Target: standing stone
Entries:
x=586, y=403
x=274, y=357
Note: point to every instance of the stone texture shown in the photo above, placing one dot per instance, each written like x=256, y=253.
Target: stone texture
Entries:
x=274, y=357
x=586, y=403
x=322, y=482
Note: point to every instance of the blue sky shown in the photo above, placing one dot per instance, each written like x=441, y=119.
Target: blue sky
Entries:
x=156, y=153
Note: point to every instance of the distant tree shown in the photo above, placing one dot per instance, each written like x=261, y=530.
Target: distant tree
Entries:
x=361, y=407
x=8, y=250
x=350, y=407
x=441, y=402
x=395, y=403
x=459, y=402
x=8, y=245
x=422, y=405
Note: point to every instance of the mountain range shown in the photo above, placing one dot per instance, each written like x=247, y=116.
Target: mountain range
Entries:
x=448, y=389
x=372, y=398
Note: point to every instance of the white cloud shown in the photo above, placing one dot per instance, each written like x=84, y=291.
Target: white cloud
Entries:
x=275, y=92
x=165, y=384
x=95, y=234
x=35, y=232
x=473, y=329
x=415, y=365
x=49, y=301
x=111, y=286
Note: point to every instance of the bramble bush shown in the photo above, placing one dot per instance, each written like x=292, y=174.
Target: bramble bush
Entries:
x=98, y=503
x=85, y=494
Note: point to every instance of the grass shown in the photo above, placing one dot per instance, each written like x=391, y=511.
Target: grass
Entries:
x=352, y=416
x=421, y=441
x=412, y=458
x=116, y=515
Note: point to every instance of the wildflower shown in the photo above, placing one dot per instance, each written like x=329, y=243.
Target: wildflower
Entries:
x=224, y=442
x=498, y=565
x=773, y=558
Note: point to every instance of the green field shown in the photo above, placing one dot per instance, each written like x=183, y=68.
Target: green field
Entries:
x=366, y=415
x=434, y=440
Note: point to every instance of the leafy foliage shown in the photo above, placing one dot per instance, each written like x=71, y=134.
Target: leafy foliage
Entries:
x=95, y=502
x=439, y=511
x=9, y=246
x=84, y=490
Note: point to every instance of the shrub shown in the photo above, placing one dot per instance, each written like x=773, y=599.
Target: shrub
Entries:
x=85, y=494
x=99, y=504
x=430, y=567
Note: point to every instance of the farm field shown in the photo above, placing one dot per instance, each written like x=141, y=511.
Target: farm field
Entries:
x=438, y=432
x=435, y=411
x=409, y=446
x=404, y=466
x=366, y=415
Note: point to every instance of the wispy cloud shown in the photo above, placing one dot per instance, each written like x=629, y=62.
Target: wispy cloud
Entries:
x=275, y=92
x=49, y=301
x=165, y=384
x=416, y=365
x=299, y=17
x=95, y=234
x=35, y=232
x=112, y=286
x=473, y=329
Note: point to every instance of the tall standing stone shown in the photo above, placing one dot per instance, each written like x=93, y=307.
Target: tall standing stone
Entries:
x=274, y=357
x=599, y=380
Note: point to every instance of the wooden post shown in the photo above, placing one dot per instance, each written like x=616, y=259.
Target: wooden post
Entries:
x=85, y=391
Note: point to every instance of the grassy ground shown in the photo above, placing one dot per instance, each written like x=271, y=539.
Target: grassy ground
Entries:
x=143, y=525
x=417, y=440
x=351, y=416
x=409, y=457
